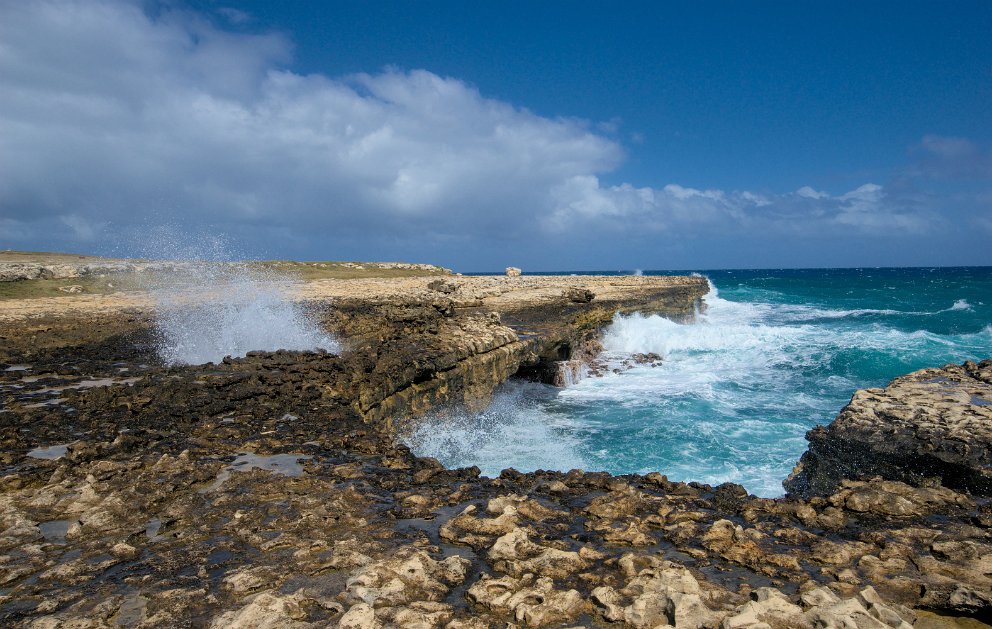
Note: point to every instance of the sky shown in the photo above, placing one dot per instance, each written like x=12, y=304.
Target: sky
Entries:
x=477, y=135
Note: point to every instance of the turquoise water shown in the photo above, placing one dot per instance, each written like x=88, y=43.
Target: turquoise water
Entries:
x=775, y=353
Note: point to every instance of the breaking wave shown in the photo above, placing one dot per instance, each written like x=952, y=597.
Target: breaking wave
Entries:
x=734, y=394
x=517, y=430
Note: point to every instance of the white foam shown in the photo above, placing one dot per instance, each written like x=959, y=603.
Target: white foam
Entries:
x=723, y=376
x=513, y=432
x=731, y=401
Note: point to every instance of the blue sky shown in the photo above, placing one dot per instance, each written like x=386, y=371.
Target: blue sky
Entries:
x=556, y=135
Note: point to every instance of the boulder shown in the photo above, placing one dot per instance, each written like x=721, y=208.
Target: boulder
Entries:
x=931, y=427
x=579, y=295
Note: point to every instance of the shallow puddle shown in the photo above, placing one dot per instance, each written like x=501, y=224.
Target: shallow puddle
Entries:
x=49, y=452
x=87, y=384
x=285, y=464
x=54, y=531
x=152, y=528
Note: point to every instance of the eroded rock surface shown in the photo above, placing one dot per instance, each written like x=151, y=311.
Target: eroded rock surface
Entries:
x=932, y=427
x=270, y=491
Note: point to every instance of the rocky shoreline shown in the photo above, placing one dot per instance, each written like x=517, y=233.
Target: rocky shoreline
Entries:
x=270, y=491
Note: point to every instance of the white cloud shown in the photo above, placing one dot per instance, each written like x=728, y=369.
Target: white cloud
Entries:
x=109, y=115
x=809, y=193
x=946, y=157
x=582, y=201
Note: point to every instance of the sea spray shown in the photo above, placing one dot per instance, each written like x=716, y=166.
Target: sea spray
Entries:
x=208, y=308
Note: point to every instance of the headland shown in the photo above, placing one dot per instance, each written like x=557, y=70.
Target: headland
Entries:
x=271, y=490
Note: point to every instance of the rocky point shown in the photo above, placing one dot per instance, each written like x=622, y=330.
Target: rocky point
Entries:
x=271, y=491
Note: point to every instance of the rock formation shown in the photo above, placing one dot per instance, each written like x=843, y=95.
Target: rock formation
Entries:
x=930, y=428
x=270, y=491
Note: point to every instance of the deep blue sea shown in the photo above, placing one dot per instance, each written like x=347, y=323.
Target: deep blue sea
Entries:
x=775, y=353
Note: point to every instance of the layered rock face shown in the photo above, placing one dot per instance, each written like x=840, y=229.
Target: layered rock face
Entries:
x=270, y=491
x=930, y=428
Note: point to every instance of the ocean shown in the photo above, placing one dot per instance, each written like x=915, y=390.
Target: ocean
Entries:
x=775, y=353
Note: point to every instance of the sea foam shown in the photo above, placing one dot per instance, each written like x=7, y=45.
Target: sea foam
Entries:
x=517, y=430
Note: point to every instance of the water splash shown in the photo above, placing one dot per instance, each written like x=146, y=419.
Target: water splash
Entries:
x=734, y=395
x=515, y=431
x=208, y=308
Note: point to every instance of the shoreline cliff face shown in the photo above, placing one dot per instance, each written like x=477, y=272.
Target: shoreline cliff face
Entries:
x=270, y=491
x=931, y=427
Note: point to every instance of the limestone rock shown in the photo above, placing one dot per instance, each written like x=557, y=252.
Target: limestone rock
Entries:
x=478, y=532
x=359, y=616
x=516, y=555
x=931, y=426
x=409, y=575
x=442, y=286
x=535, y=602
x=664, y=594
x=268, y=610
x=579, y=295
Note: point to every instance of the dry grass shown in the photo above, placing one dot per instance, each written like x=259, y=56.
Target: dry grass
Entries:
x=102, y=284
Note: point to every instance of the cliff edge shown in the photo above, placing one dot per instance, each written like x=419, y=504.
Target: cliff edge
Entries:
x=932, y=427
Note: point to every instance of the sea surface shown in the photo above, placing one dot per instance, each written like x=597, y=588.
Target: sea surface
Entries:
x=775, y=353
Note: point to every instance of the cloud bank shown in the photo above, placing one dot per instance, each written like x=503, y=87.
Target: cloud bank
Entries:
x=112, y=117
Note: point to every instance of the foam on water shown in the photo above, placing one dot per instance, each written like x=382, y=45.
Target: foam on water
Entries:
x=515, y=431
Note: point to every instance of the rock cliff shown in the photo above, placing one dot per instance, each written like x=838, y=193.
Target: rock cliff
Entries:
x=930, y=428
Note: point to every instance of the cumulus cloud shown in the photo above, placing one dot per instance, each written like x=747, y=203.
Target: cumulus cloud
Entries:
x=674, y=208
x=110, y=115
